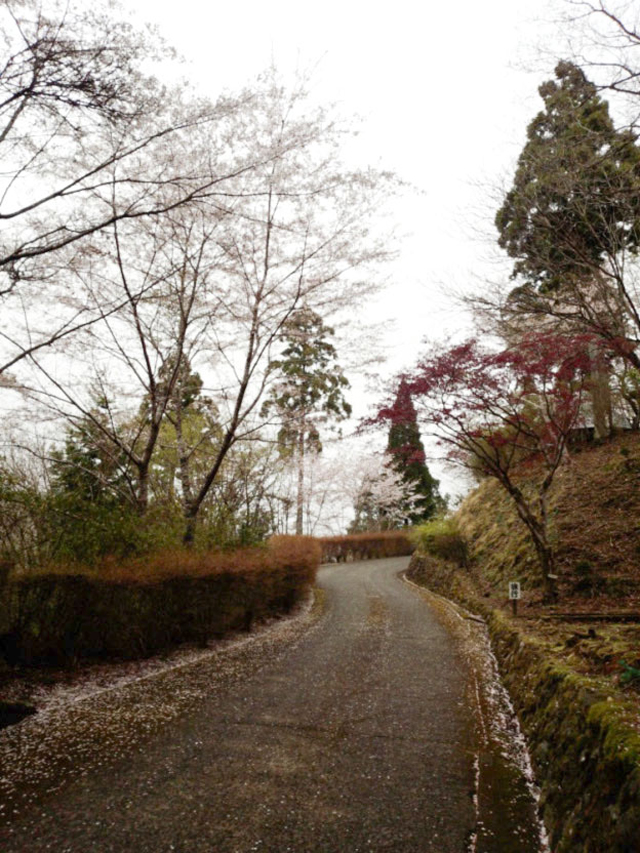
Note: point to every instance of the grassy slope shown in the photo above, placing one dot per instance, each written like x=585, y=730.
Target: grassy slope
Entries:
x=594, y=525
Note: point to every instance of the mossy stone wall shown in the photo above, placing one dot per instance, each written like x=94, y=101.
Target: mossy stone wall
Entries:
x=583, y=739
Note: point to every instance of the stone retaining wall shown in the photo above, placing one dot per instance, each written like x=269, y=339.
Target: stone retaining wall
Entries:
x=583, y=737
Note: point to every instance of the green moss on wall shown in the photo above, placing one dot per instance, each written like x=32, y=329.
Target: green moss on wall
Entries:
x=584, y=739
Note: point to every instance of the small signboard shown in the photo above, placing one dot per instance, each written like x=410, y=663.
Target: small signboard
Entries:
x=514, y=591
x=514, y=596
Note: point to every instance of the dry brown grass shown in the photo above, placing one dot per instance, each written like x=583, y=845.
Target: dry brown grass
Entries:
x=303, y=552
x=594, y=524
x=139, y=607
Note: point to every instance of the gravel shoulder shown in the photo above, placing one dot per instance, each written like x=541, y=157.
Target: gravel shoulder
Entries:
x=98, y=716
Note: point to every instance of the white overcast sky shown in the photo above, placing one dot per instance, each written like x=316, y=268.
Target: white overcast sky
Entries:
x=446, y=91
x=445, y=95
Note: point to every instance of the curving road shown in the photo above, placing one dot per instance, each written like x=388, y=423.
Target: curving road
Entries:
x=358, y=736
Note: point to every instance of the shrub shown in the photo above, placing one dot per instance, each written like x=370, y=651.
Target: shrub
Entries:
x=141, y=606
x=441, y=538
x=366, y=546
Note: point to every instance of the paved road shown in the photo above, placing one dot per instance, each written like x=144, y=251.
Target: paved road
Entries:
x=358, y=737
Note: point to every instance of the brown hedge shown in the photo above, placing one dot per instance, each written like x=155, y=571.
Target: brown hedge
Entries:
x=141, y=607
x=366, y=546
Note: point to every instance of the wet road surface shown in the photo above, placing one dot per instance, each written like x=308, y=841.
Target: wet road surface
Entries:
x=362, y=734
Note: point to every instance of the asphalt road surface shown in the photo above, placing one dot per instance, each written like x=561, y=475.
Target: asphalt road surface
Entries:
x=358, y=735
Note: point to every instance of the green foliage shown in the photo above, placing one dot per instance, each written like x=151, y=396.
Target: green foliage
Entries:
x=441, y=538
x=82, y=532
x=23, y=540
x=408, y=459
x=630, y=674
x=241, y=507
x=227, y=522
x=89, y=510
x=91, y=468
x=575, y=199
x=188, y=442
x=311, y=384
x=180, y=386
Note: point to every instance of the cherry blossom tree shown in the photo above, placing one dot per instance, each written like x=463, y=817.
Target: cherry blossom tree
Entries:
x=90, y=139
x=215, y=285
x=383, y=499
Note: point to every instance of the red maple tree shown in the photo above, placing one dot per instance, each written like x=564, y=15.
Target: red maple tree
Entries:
x=496, y=411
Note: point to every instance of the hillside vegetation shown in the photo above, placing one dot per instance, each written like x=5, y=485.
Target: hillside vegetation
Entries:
x=572, y=668
x=594, y=528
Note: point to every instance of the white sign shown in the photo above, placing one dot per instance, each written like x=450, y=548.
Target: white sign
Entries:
x=514, y=590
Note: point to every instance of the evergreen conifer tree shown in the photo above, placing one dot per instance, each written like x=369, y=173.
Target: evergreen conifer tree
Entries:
x=574, y=204
x=408, y=458
x=310, y=391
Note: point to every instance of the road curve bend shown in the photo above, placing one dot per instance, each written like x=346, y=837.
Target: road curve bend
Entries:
x=358, y=737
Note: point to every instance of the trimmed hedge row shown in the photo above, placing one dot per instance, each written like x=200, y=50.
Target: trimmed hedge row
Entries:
x=584, y=742
x=366, y=546
x=137, y=609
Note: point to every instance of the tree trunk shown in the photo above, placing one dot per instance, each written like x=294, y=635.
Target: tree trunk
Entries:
x=300, y=494
x=184, y=459
x=538, y=531
x=142, y=492
x=601, y=404
x=189, y=535
x=193, y=506
x=547, y=564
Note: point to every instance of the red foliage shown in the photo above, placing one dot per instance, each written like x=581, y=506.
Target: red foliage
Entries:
x=496, y=411
x=490, y=404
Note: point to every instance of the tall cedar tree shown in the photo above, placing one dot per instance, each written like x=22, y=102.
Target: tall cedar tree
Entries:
x=310, y=391
x=574, y=204
x=408, y=458
x=571, y=221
